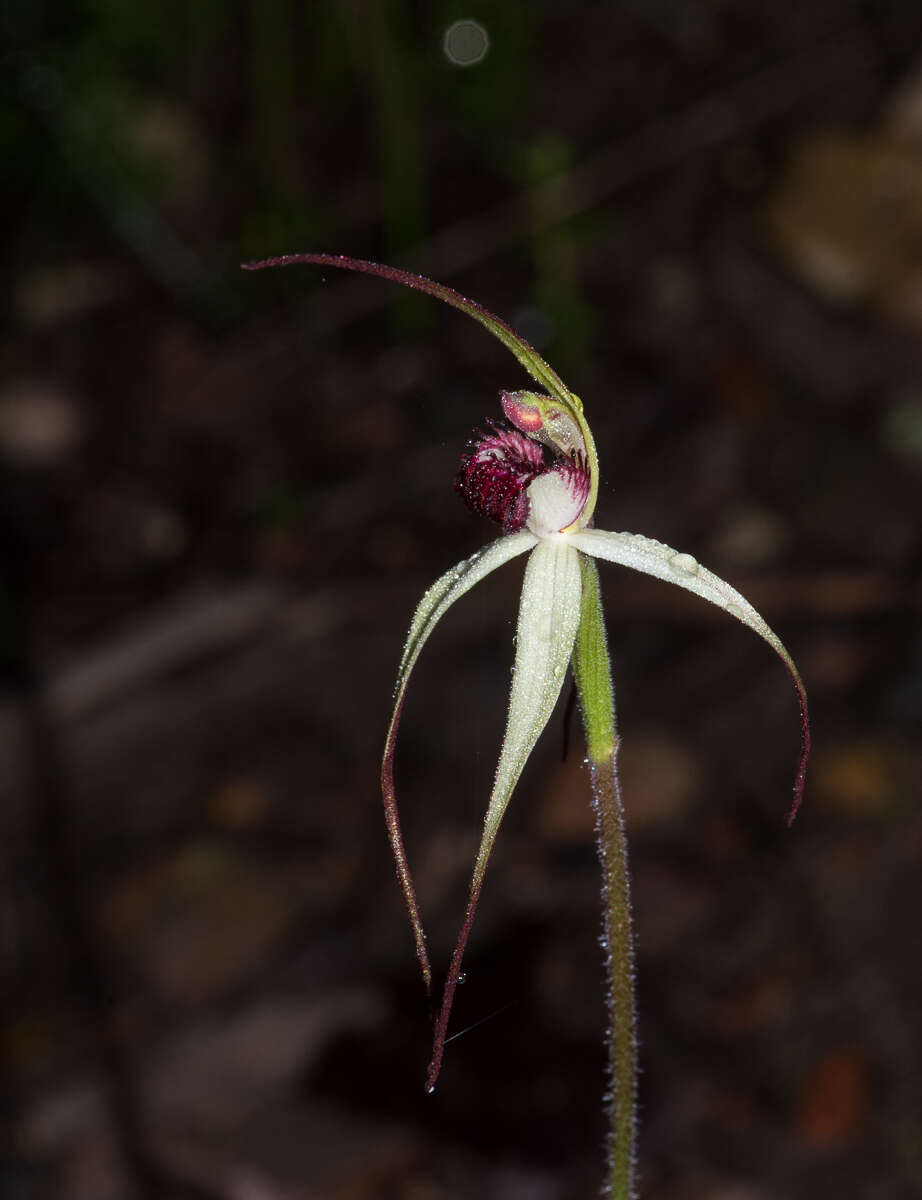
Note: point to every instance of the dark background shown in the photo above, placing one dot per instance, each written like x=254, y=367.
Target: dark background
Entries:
x=222, y=495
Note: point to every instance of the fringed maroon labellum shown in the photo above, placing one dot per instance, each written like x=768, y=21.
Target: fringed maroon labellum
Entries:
x=495, y=479
x=495, y=472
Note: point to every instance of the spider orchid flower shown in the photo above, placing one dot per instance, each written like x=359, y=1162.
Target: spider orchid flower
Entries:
x=536, y=474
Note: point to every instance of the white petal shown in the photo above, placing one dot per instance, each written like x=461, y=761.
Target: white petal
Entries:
x=443, y=593
x=653, y=558
x=452, y=585
x=548, y=620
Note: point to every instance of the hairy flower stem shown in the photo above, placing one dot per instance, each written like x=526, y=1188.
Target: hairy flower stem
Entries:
x=619, y=967
x=592, y=670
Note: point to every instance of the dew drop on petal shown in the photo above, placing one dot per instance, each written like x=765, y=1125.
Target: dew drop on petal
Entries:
x=684, y=564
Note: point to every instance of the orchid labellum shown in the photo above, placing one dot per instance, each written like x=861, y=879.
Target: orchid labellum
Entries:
x=535, y=473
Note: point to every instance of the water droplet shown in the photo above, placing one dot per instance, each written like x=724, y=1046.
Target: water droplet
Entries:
x=684, y=564
x=462, y=978
x=431, y=1088
x=735, y=611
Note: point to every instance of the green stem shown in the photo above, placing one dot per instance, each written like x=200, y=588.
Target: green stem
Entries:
x=619, y=960
x=592, y=669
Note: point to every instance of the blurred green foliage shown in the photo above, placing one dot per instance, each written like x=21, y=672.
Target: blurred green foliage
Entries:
x=194, y=136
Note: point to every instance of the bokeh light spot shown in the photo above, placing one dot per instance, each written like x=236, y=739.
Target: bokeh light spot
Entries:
x=466, y=43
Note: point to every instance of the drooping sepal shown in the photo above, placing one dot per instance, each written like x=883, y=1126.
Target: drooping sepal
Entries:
x=563, y=420
x=549, y=615
x=530, y=359
x=654, y=558
x=434, y=604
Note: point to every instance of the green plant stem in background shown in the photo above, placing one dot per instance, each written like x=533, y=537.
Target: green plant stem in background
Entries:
x=592, y=670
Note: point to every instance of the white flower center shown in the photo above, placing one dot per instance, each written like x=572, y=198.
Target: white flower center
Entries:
x=555, y=501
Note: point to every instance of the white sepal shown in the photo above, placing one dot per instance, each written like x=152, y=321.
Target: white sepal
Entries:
x=548, y=619
x=443, y=593
x=653, y=558
x=450, y=587
x=549, y=615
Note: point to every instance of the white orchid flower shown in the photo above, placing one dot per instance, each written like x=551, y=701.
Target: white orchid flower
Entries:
x=536, y=474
